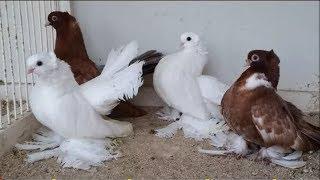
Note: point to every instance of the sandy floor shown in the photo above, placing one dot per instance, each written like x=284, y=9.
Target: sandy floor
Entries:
x=147, y=156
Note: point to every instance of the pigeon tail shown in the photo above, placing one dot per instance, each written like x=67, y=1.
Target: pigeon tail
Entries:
x=151, y=59
x=311, y=132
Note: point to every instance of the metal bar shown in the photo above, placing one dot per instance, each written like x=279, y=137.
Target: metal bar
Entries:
x=47, y=5
x=13, y=48
x=24, y=53
x=19, y=40
x=41, y=48
x=52, y=3
x=43, y=28
x=1, y=124
x=5, y=43
x=27, y=48
x=3, y=32
x=32, y=34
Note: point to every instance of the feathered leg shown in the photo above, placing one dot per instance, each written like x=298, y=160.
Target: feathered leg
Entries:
x=168, y=131
x=277, y=156
x=169, y=114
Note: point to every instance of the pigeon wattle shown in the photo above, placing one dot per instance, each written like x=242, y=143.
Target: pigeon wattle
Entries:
x=192, y=97
x=72, y=112
x=258, y=116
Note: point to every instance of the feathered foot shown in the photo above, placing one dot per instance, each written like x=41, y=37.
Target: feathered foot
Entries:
x=33, y=157
x=214, y=152
x=84, y=153
x=230, y=142
x=277, y=156
x=169, y=114
x=75, y=153
x=201, y=129
x=168, y=131
x=43, y=139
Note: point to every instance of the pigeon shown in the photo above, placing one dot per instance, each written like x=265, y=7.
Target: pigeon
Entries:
x=72, y=112
x=179, y=82
x=258, y=116
x=70, y=47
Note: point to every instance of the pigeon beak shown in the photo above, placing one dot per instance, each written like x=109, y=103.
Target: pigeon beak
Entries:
x=247, y=63
x=30, y=70
x=47, y=24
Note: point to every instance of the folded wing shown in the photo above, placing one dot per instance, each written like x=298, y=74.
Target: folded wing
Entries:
x=212, y=89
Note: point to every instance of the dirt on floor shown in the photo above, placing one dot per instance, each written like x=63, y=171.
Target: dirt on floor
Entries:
x=149, y=157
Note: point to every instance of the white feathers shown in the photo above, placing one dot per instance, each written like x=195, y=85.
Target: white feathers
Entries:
x=169, y=114
x=104, y=93
x=230, y=142
x=201, y=129
x=120, y=58
x=277, y=156
x=212, y=89
x=178, y=81
x=257, y=80
x=83, y=153
x=118, y=80
x=76, y=153
x=43, y=139
x=71, y=111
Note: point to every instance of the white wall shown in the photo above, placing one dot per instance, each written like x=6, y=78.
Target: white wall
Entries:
x=228, y=29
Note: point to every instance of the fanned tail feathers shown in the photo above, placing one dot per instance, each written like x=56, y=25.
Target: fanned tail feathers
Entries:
x=120, y=58
x=128, y=81
x=151, y=57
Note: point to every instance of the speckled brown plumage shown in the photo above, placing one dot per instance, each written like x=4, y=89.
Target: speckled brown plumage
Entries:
x=260, y=115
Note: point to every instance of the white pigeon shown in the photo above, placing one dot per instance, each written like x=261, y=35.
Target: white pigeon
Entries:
x=72, y=111
x=178, y=80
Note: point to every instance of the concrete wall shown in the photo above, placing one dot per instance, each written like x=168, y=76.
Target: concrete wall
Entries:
x=228, y=29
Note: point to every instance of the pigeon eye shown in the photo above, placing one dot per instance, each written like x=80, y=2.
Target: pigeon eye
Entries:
x=54, y=18
x=39, y=63
x=255, y=57
x=188, y=38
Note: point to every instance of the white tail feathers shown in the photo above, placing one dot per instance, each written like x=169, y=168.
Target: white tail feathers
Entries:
x=118, y=80
x=120, y=58
x=128, y=81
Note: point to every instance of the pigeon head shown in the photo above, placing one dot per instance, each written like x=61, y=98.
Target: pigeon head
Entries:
x=262, y=58
x=42, y=63
x=189, y=39
x=58, y=19
x=266, y=62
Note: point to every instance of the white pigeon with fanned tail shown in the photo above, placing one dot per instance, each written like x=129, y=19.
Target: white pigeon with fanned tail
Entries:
x=71, y=112
x=178, y=80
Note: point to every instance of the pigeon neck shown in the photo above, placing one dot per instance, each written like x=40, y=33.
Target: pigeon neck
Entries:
x=70, y=43
x=196, y=48
x=60, y=76
x=272, y=74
